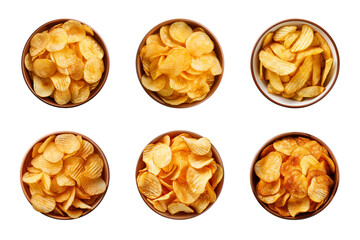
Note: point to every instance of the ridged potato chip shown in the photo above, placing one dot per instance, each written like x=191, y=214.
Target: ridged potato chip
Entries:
x=52, y=153
x=174, y=208
x=67, y=142
x=94, y=186
x=44, y=68
x=298, y=205
x=149, y=185
x=93, y=166
x=199, y=146
x=62, y=97
x=93, y=70
x=304, y=40
x=180, y=31
x=283, y=32
x=90, y=48
x=199, y=43
x=268, y=168
x=296, y=184
x=42, y=204
x=43, y=87
x=319, y=188
x=38, y=43
x=58, y=39
x=75, y=31
x=198, y=178
x=268, y=188
x=276, y=64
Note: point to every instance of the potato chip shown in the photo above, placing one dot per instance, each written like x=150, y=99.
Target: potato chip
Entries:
x=58, y=39
x=76, y=31
x=268, y=188
x=319, y=188
x=180, y=31
x=198, y=161
x=330, y=163
x=38, y=43
x=29, y=177
x=323, y=44
x=267, y=39
x=44, y=68
x=149, y=185
x=307, y=162
x=218, y=175
x=276, y=64
x=296, y=184
x=326, y=70
x=80, y=204
x=154, y=85
x=74, y=167
x=161, y=203
x=90, y=48
x=304, y=40
x=154, y=39
x=161, y=155
x=283, y=32
x=67, y=142
x=301, y=77
x=282, y=52
x=85, y=150
x=274, y=80
x=177, y=60
x=199, y=146
x=93, y=70
x=174, y=208
x=282, y=200
x=291, y=38
x=309, y=51
x=64, y=57
x=268, y=168
x=43, y=87
x=199, y=43
x=198, y=178
x=42, y=204
x=49, y=167
x=311, y=91
x=83, y=94
x=184, y=193
x=52, y=153
x=272, y=198
x=298, y=205
x=61, y=82
x=94, y=186
x=93, y=166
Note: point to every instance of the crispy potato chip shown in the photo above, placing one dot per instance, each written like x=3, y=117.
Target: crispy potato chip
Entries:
x=267, y=39
x=154, y=38
x=63, y=179
x=43, y=204
x=326, y=70
x=184, y=193
x=296, y=184
x=90, y=48
x=309, y=51
x=177, y=60
x=162, y=202
x=199, y=146
x=74, y=167
x=82, y=95
x=301, y=77
x=61, y=82
x=304, y=40
x=268, y=168
x=64, y=57
x=180, y=31
x=311, y=91
x=58, y=39
x=28, y=62
x=149, y=185
x=75, y=31
x=272, y=198
x=93, y=166
x=199, y=43
x=217, y=176
x=283, y=32
x=174, y=208
x=315, y=148
x=44, y=68
x=154, y=85
x=291, y=38
x=268, y=188
x=93, y=70
x=29, y=177
x=319, y=188
x=38, y=43
x=166, y=37
x=276, y=64
x=307, y=162
x=298, y=205
x=321, y=166
x=282, y=52
x=329, y=161
x=282, y=200
x=274, y=80
x=62, y=97
x=85, y=150
x=323, y=44
x=161, y=155
x=198, y=161
x=80, y=204
x=52, y=153
x=198, y=178
x=49, y=167
x=43, y=87
x=67, y=143
x=33, y=170
x=316, y=69
x=285, y=145
x=94, y=186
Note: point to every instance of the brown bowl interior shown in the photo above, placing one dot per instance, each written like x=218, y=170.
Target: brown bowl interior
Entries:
x=254, y=179
x=49, y=100
x=217, y=50
x=181, y=215
x=105, y=175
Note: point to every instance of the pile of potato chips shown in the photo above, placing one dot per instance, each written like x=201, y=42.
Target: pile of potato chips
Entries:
x=65, y=62
x=296, y=62
x=294, y=175
x=179, y=63
x=180, y=174
x=65, y=176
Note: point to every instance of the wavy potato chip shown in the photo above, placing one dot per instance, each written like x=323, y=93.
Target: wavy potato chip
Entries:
x=43, y=87
x=296, y=184
x=268, y=188
x=42, y=204
x=180, y=31
x=67, y=142
x=174, y=208
x=199, y=43
x=319, y=188
x=38, y=43
x=298, y=205
x=199, y=146
x=93, y=70
x=58, y=39
x=90, y=48
x=304, y=40
x=44, y=68
x=149, y=185
x=198, y=178
x=93, y=166
x=52, y=153
x=268, y=168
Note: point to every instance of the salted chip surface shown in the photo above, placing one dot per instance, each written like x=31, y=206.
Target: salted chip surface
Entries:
x=179, y=207
x=149, y=185
x=180, y=31
x=93, y=166
x=198, y=178
x=93, y=69
x=90, y=48
x=42, y=204
x=67, y=143
x=268, y=168
x=199, y=43
x=44, y=68
x=38, y=43
x=43, y=87
x=199, y=146
x=58, y=39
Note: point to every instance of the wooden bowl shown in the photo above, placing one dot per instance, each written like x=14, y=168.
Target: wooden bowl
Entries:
x=262, y=84
x=181, y=215
x=50, y=100
x=217, y=50
x=105, y=175
x=335, y=176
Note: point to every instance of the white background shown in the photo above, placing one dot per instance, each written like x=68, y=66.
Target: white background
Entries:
x=122, y=119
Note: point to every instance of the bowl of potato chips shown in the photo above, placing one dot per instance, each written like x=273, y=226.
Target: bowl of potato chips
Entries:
x=294, y=175
x=295, y=63
x=179, y=174
x=64, y=175
x=179, y=63
x=65, y=63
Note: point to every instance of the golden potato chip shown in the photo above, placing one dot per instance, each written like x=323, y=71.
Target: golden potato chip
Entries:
x=90, y=48
x=198, y=161
x=166, y=37
x=81, y=194
x=76, y=71
x=67, y=143
x=83, y=94
x=198, y=178
x=161, y=203
x=93, y=69
x=61, y=82
x=283, y=32
x=316, y=69
x=184, y=193
x=298, y=205
x=149, y=185
x=64, y=57
x=93, y=166
x=30, y=177
x=285, y=145
x=180, y=31
x=33, y=170
x=311, y=91
x=326, y=70
x=177, y=60
x=267, y=39
x=75, y=31
x=80, y=204
x=74, y=167
x=304, y=40
x=161, y=155
x=52, y=153
x=62, y=97
x=174, y=208
x=94, y=186
x=203, y=62
x=307, y=162
x=276, y=64
x=199, y=43
x=323, y=44
x=319, y=188
x=154, y=85
x=28, y=62
x=296, y=184
x=291, y=38
x=272, y=198
x=282, y=52
x=58, y=39
x=85, y=150
x=154, y=38
x=199, y=146
x=38, y=43
x=274, y=80
x=43, y=87
x=329, y=161
x=63, y=179
x=67, y=204
x=315, y=148
x=282, y=200
x=321, y=166
x=217, y=176
x=268, y=188
x=43, y=204
x=44, y=68
x=49, y=167
x=268, y=168
x=176, y=101
x=301, y=77
x=309, y=51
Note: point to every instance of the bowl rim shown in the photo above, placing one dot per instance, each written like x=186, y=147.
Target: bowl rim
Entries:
x=329, y=87
x=28, y=79
x=25, y=187
x=181, y=215
x=217, y=49
x=335, y=176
